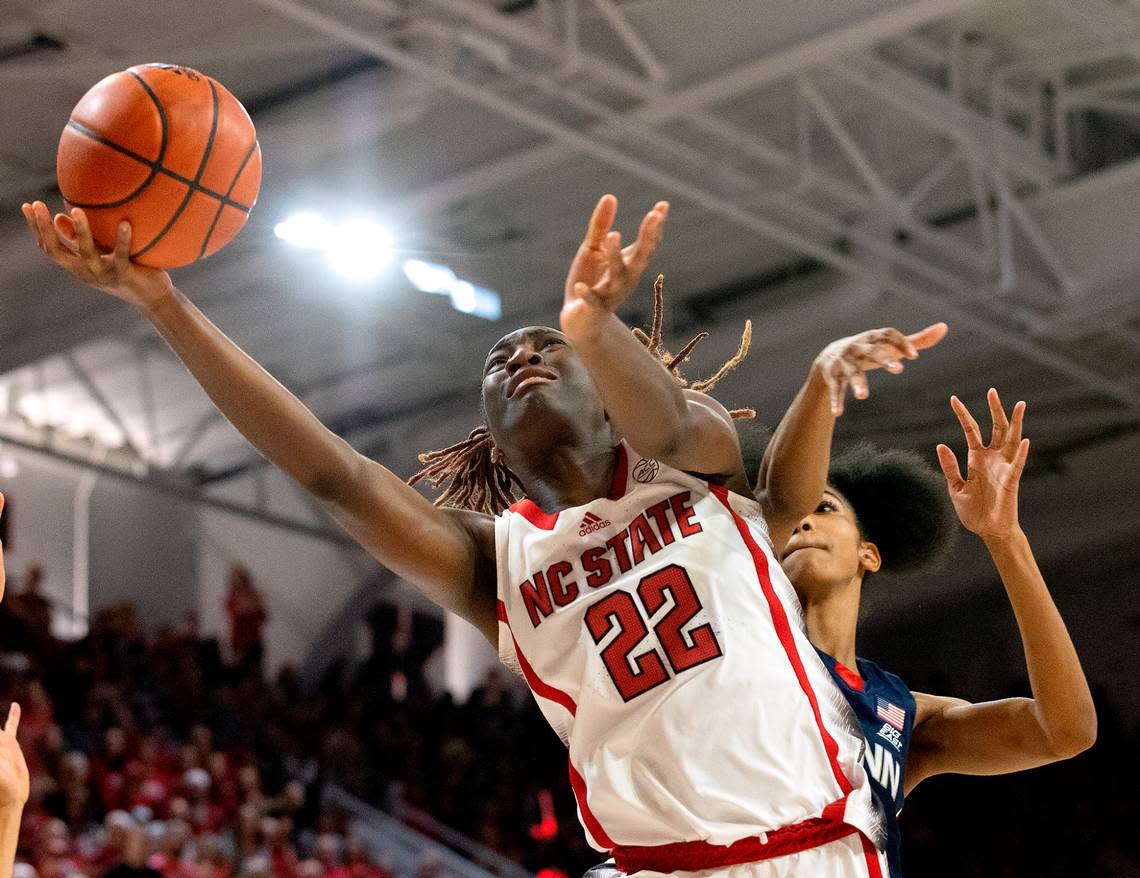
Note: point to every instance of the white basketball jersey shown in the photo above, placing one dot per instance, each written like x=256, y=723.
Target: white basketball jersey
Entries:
x=666, y=647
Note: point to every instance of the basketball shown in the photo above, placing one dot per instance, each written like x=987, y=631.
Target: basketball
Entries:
x=168, y=149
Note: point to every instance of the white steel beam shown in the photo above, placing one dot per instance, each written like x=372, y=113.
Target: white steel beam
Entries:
x=847, y=143
x=100, y=399
x=979, y=138
x=632, y=40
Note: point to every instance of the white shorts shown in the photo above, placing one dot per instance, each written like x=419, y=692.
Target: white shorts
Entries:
x=849, y=857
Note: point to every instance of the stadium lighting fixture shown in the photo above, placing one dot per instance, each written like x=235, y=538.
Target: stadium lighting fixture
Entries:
x=359, y=249
x=427, y=277
x=430, y=277
x=307, y=230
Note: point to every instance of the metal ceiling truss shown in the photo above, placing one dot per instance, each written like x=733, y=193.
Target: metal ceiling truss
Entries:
x=1001, y=156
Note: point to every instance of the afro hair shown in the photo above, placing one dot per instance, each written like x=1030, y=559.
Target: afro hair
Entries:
x=900, y=503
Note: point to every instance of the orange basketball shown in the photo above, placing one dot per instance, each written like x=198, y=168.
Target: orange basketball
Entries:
x=168, y=149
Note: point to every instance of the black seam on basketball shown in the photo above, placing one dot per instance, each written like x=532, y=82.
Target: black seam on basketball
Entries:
x=195, y=184
x=155, y=168
x=87, y=132
x=161, y=115
x=221, y=207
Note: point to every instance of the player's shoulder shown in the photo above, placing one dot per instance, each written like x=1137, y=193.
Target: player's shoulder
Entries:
x=880, y=678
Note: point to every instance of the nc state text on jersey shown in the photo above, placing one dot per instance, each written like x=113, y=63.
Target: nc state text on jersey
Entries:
x=548, y=589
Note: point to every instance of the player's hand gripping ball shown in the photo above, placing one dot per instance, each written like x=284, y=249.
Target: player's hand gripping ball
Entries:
x=167, y=149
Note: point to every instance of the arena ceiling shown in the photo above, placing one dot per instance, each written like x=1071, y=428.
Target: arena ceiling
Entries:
x=832, y=166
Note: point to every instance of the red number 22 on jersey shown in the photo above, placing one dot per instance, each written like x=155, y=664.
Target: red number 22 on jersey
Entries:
x=620, y=610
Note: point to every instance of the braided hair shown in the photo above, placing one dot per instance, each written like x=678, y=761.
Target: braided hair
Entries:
x=478, y=478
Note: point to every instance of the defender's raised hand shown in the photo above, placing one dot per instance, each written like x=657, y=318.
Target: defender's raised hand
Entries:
x=68, y=243
x=604, y=273
x=986, y=500
x=846, y=361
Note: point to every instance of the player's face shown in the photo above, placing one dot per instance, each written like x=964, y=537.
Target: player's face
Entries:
x=534, y=382
x=824, y=551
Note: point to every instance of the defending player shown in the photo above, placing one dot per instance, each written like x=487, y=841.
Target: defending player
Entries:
x=626, y=588
x=882, y=510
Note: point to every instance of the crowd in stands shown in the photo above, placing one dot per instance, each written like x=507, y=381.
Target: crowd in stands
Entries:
x=175, y=755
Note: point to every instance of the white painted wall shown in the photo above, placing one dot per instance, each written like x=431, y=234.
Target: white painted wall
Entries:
x=39, y=497
x=303, y=580
x=139, y=543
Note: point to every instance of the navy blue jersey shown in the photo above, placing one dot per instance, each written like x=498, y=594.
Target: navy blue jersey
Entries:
x=885, y=709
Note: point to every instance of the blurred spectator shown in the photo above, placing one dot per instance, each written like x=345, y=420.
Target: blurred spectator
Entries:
x=247, y=619
x=132, y=863
x=29, y=604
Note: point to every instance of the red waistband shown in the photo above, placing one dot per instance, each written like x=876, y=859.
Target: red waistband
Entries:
x=693, y=856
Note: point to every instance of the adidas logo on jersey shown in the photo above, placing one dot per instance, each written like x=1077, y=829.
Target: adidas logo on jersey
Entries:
x=592, y=523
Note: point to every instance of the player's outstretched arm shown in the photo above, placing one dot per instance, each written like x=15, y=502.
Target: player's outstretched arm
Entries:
x=793, y=473
x=446, y=553
x=687, y=430
x=1013, y=734
x=13, y=790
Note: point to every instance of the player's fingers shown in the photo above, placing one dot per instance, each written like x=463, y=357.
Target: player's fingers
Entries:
x=949, y=464
x=885, y=355
x=929, y=337
x=613, y=255
x=648, y=237
x=30, y=219
x=1013, y=438
x=122, y=253
x=601, y=221
x=891, y=336
x=859, y=385
x=13, y=721
x=837, y=389
x=1019, y=459
x=51, y=242
x=81, y=233
x=969, y=425
x=997, y=417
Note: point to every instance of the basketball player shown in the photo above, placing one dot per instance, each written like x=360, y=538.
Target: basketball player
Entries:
x=640, y=601
x=883, y=510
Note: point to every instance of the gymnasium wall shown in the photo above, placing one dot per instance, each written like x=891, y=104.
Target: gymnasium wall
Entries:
x=172, y=557
x=143, y=549
x=139, y=542
x=40, y=497
x=303, y=580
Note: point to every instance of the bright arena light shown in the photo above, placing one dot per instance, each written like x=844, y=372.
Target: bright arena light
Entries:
x=463, y=296
x=306, y=229
x=427, y=277
x=359, y=249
